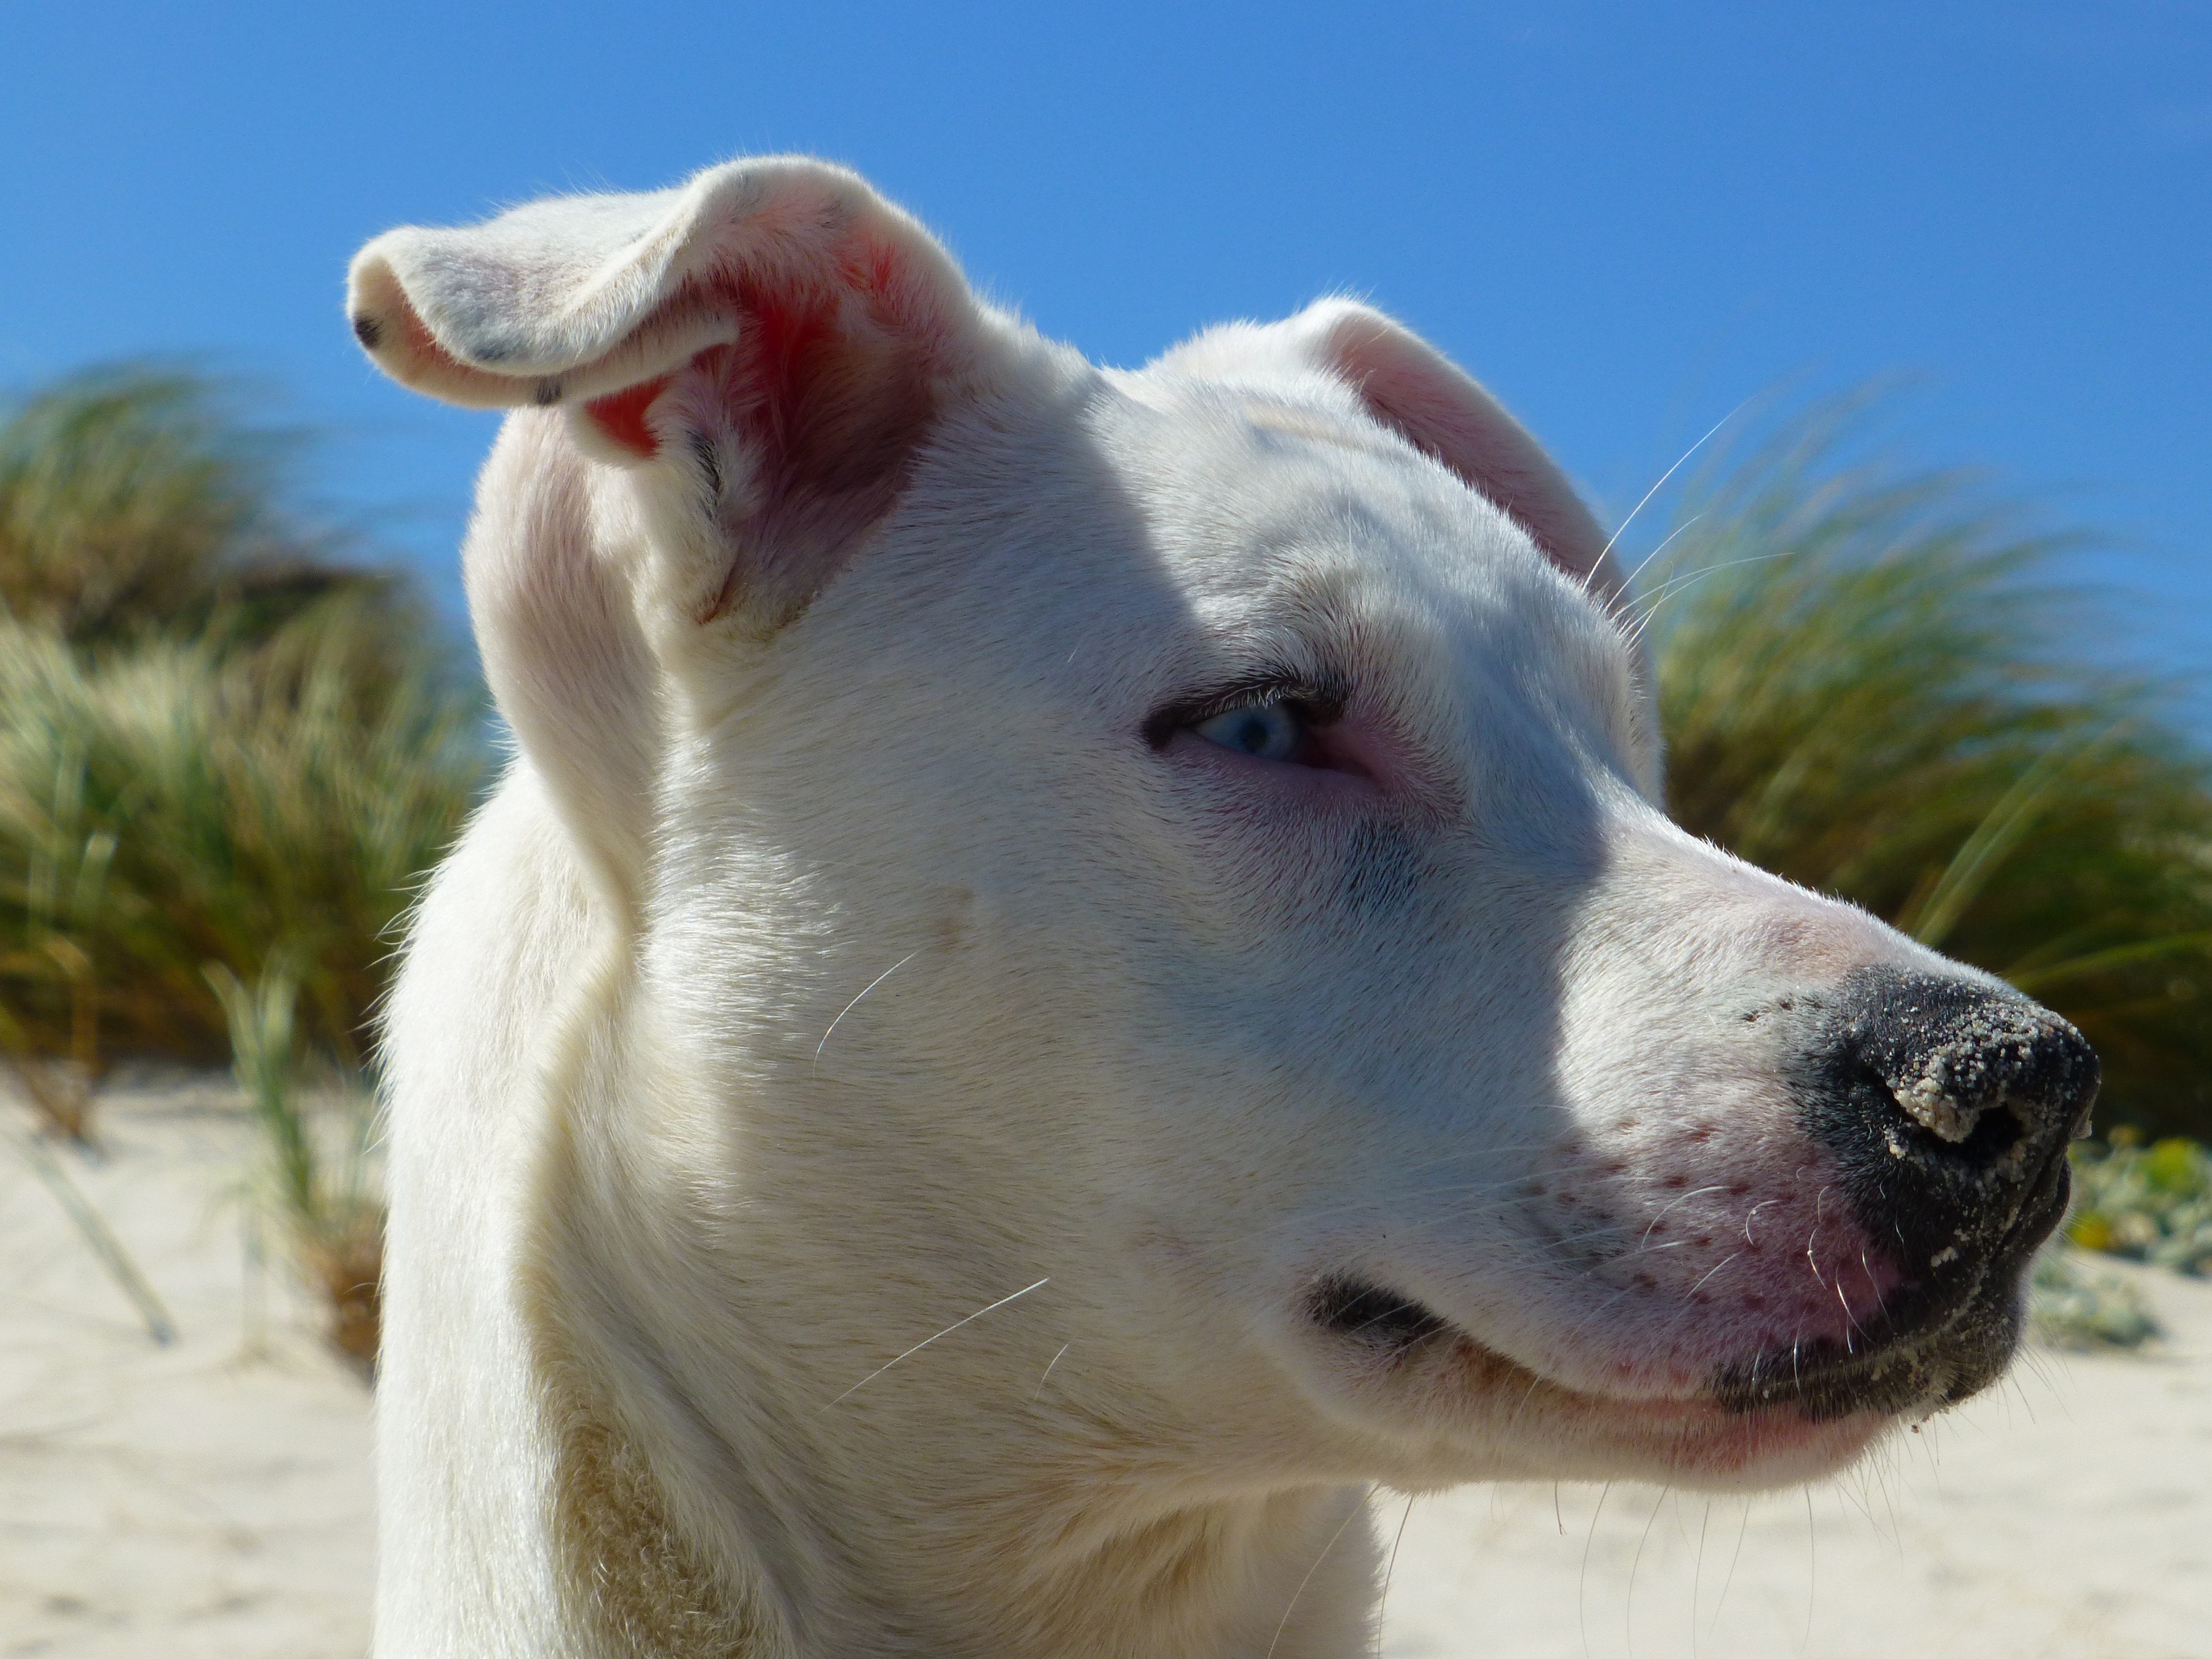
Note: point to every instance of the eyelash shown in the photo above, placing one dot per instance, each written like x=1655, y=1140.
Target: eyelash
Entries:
x=1316, y=702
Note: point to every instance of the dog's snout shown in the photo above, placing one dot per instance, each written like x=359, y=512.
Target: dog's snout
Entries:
x=1949, y=1106
x=1945, y=1105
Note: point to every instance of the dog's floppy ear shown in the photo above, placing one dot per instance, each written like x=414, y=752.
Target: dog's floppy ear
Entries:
x=719, y=389
x=769, y=344
x=1443, y=412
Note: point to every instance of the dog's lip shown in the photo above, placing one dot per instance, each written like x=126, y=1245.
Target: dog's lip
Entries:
x=1425, y=1332
x=1684, y=1402
x=1688, y=1397
x=1692, y=1431
x=1686, y=1351
x=1672, y=1409
x=1705, y=1437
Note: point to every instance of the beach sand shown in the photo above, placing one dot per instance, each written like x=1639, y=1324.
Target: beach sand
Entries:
x=213, y=1497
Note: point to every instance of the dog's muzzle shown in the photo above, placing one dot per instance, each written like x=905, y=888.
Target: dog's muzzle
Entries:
x=1946, y=1107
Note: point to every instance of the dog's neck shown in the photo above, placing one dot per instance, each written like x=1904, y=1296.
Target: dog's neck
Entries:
x=717, y=1495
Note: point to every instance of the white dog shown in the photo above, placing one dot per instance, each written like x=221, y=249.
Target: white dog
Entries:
x=1075, y=966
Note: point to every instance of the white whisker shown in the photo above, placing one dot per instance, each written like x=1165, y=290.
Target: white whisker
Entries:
x=926, y=1340
x=1673, y=585
x=1643, y=563
x=1582, y=1585
x=1725, y=1260
x=1743, y=1527
x=1664, y=476
x=1383, y=1602
x=855, y=1002
x=1695, y=1192
x=1047, y=1377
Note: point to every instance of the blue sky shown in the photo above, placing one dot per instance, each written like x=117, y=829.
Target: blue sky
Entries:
x=1627, y=218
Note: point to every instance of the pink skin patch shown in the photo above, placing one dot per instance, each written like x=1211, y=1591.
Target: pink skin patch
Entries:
x=1805, y=1271
x=620, y=417
x=1704, y=1262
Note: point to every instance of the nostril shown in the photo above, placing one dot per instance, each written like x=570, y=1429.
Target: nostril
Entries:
x=1993, y=1135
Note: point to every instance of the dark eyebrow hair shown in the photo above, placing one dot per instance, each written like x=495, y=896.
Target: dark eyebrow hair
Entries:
x=1321, y=696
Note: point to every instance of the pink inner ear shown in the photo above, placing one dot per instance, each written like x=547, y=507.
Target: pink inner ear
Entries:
x=621, y=416
x=800, y=381
x=789, y=349
x=805, y=425
x=782, y=339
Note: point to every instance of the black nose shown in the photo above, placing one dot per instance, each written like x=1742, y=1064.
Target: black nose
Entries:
x=1947, y=1106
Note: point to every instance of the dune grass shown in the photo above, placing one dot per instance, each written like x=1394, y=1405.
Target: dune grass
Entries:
x=136, y=497
x=163, y=807
x=213, y=748
x=1873, y=682
x=318, y=1194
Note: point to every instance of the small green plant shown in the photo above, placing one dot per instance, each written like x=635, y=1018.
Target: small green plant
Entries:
x=2070, y=1306
x=2153, y=1203
x=323, y=1204
x=98, y=1236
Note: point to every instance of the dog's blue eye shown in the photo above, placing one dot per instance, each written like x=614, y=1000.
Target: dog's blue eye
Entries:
x=1268, y=730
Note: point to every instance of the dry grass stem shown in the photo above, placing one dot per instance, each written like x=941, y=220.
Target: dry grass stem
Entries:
x=323, y=1204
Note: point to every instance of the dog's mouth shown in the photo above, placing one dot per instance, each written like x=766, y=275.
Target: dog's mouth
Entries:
x=1923, y=1358
x=1397, y=1359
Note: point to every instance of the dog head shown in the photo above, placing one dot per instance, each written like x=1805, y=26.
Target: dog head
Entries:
x=1192, y=835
